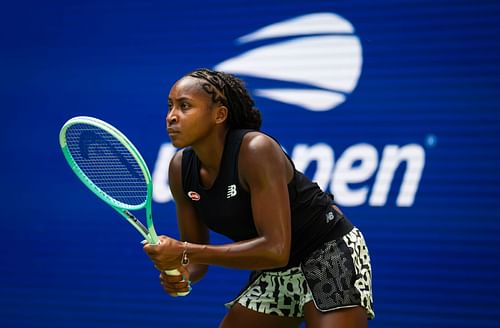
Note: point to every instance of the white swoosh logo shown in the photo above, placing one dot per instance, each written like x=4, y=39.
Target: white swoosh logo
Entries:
x=323, y=68
x=312, y=99
x=318, y=23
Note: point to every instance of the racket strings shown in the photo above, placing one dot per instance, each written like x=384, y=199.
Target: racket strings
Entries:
x=107, y=163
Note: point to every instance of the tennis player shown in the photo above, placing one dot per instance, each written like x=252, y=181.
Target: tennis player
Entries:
x=308, y=261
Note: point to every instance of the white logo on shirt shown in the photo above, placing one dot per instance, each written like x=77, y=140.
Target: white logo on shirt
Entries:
x=329, y=217
x=231, y=191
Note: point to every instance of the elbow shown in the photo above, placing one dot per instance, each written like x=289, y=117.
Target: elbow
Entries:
x=197, y=271
x=282, y=261
x=280, y=255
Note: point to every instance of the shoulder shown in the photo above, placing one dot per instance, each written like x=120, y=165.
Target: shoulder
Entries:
x=175, y=174
x=260, y=154
x=258, y=142
x=178, y=162
x=179, y=156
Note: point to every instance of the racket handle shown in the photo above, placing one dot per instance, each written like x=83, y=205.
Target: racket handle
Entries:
x=176, y=272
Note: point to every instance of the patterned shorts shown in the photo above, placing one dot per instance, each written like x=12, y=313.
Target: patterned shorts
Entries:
x=335, y=276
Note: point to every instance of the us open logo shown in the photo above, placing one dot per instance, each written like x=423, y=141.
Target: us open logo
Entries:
x=318, y=55
x=314, y=62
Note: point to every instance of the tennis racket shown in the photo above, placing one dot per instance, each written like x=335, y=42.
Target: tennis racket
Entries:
x=112, y=168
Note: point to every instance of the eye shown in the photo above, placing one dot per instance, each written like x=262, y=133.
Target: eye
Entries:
x=185, y=105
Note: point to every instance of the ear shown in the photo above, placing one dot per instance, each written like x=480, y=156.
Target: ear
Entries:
x=221, y=113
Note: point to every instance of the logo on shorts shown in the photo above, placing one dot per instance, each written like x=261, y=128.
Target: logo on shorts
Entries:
x=194, y=196
x=231, y=191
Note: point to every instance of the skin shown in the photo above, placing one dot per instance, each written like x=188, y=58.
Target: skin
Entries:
x=195, y=120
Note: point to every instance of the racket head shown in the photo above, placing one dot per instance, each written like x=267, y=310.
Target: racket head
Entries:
x=112, y=168
x=106, y=162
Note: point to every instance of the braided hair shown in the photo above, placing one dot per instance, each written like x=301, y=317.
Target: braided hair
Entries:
x=231, y=92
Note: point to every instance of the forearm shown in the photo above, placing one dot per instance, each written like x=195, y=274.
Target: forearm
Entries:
x=253, y=254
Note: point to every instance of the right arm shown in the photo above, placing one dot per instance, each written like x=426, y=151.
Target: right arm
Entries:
x=191, y=229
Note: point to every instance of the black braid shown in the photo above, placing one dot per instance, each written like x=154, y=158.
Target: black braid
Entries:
x=231, y=92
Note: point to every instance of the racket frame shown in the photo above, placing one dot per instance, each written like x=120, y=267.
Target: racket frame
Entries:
x=148, y=232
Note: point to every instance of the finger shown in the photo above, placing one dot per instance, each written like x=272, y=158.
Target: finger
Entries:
x=150, y=249
x=174, y=281
x=184, y=272
x=162, y=238
x=174, y=289
x=170, y=279
x=182, y=276
x=170, y=290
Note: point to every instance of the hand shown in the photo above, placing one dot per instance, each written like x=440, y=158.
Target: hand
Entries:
x=167, y=254
x=176, y=284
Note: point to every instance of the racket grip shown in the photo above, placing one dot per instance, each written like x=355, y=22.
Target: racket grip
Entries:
x=176, y=272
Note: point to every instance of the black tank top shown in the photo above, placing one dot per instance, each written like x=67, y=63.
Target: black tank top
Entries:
x=226, y=208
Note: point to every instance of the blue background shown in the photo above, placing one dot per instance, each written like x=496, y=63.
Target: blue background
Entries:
x=430, y=76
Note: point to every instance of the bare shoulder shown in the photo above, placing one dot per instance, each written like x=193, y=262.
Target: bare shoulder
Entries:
x=176, y=162
x=259, y=144
x=175, y=174
x=261, y=155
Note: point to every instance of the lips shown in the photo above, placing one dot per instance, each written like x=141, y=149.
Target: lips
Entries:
x=172, y=131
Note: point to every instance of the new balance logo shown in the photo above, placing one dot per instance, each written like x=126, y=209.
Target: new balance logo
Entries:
x=330, y=217
x=231, y=191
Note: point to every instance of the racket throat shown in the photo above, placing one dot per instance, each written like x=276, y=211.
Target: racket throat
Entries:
x=136, y=222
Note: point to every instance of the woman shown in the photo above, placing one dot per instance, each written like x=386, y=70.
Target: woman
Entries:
x=308, y=261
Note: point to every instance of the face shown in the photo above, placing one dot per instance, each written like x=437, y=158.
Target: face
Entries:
x=192, y=115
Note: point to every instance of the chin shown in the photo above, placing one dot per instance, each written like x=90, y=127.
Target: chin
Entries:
x=177, y=143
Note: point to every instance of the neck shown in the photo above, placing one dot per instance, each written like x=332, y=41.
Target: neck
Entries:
x=210, y=152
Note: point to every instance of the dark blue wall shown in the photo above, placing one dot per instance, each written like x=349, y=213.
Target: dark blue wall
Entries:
x=411, y=148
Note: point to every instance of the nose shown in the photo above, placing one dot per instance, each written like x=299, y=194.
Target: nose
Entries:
x=171, y=117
